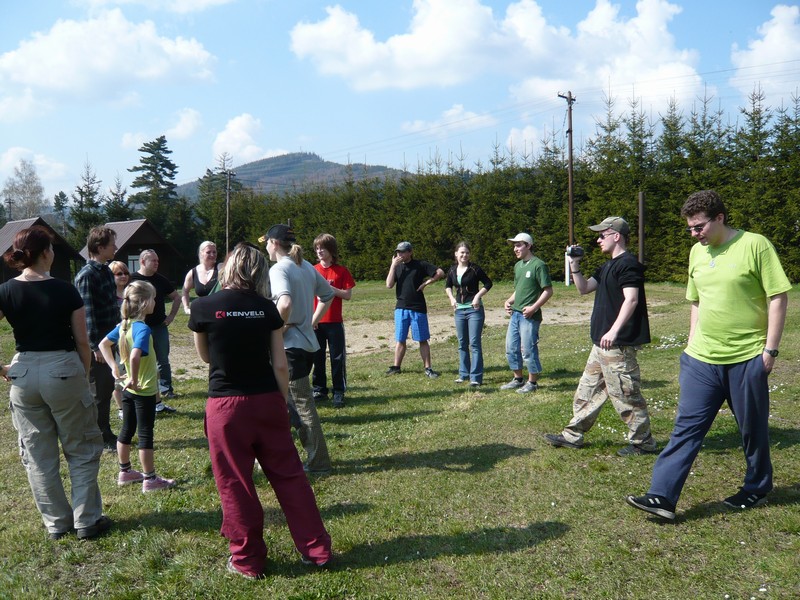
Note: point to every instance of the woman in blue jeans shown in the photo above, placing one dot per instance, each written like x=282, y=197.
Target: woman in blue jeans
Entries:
x=466, y=284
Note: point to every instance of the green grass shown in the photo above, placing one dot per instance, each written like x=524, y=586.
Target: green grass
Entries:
x=443, y=492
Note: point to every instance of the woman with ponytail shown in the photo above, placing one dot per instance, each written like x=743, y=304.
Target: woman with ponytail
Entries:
x=50, y=397
x=140, y=387
x=239, y=333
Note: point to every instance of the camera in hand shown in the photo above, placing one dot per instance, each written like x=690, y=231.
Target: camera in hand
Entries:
x=574, y=251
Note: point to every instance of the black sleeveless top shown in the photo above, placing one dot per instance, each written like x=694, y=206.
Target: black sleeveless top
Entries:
x=204, y=289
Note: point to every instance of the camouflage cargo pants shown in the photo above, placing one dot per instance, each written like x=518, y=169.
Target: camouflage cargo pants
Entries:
x=614, y=374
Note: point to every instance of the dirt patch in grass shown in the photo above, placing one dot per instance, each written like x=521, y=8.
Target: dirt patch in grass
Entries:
x=365, y=337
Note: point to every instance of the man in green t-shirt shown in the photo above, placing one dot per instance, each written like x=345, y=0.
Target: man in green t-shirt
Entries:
x=532, y=288
x=737, y=288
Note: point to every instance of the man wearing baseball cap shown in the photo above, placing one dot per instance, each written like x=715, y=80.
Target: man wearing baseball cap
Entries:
x=411, y=276
x=619, y=325
x=532, y=289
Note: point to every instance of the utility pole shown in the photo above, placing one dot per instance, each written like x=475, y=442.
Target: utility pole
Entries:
x=570, y=101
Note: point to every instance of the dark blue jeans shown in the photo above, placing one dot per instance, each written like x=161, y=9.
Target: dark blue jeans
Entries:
x=469, y=328
x=160, y=335
x=704, y=388
x=330, y=336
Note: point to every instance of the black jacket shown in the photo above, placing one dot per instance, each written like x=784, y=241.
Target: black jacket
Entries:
x=471, y=282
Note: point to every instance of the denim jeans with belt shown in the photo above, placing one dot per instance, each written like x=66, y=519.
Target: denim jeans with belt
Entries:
x=522, y=343
x=469, y=327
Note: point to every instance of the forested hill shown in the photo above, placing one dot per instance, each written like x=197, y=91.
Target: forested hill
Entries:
x=289, y=172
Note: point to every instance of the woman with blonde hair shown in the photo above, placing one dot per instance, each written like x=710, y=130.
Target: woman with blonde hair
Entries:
x=202, y=278
x=295, y=284
x=246, y=415
x=140, y=387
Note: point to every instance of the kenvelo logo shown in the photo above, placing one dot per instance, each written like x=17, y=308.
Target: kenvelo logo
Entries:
x=246, y=314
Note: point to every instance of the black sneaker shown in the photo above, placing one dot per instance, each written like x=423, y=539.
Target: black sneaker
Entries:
x=164, y=409
x=655, y=505
x=57, y=535
x=320, y=396
x=633, y=449
x=559, y=441
x=310, y=562
x=338, y=400
x=744, y=500
x=392, y=370
x=100, y=526
x=431, y=373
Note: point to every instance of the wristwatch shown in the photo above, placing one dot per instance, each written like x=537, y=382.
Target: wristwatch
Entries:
x=771, y=352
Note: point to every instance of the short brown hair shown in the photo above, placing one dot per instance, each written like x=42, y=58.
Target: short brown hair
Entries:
x=327, y=241
x=99, y=236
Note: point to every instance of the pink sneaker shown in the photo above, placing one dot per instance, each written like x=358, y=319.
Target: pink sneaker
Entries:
x=156, y=484
x=131, y=476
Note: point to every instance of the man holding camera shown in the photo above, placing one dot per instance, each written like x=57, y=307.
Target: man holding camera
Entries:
x=532, y=288
x=738, y=292
x=619, y=325
x=411, y=276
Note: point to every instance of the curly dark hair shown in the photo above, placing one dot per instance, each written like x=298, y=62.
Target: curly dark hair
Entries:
x=706, y=201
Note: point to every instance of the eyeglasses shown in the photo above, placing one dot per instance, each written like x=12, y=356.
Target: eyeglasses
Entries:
x=698, y=228
x=603, y=236
x=121, y=274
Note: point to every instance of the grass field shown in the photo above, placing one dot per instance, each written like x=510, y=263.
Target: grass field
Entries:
x=443, y=492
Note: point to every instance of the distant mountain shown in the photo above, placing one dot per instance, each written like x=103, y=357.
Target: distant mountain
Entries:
x=285, y=173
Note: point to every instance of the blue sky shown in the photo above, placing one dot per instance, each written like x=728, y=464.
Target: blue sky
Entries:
x=384, y=82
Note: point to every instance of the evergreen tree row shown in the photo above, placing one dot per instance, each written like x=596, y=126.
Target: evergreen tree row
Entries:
x=754, y=163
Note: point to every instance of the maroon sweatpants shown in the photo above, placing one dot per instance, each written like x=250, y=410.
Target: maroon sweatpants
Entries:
x=240, y=430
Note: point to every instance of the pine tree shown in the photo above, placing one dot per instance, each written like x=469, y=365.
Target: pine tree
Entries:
x=117, y=207
x=86, y=211
x=156, y=180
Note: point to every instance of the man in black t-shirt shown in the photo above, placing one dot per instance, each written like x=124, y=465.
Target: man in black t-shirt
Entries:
x=159, y=321
x=619, y=326
x=411, y=277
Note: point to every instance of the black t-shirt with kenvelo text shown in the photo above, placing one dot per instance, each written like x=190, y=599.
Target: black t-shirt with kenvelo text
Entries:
x=409, y=276
x=239, y=325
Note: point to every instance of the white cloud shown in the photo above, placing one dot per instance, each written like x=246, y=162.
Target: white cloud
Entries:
x=779, y=42
x=452, y=121
x=635, y=57
x=47, y=169
x=133, y=141
x=20, y=106
x=103, y=57
x=450, y=42
x=238, y=140
x=188, y=122
x=176, y=6
x=445, y=45
x=526, y=140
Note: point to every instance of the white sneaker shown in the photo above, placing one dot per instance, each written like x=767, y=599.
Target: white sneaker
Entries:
x=513, y=384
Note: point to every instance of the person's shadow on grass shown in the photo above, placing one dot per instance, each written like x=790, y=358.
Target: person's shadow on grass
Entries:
x=421, y=547
x=466, y=459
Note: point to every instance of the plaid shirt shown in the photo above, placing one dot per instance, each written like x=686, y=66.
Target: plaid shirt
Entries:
x=95, y=283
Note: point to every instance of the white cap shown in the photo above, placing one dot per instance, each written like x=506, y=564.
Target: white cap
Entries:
x=522, y=237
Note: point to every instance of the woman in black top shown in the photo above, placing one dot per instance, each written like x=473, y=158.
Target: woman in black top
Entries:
x=239, y=332
x=466, y=284
x=203, y=277
x=50, y=398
